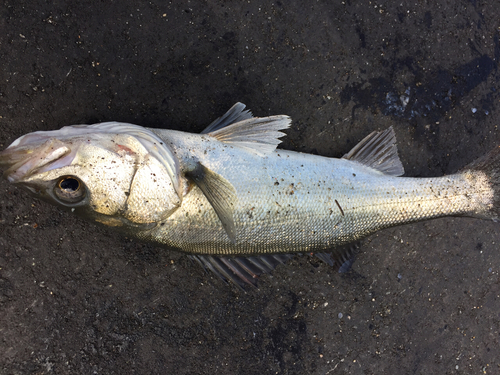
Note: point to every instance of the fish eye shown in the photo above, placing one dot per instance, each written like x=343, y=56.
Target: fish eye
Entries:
x=69, y=189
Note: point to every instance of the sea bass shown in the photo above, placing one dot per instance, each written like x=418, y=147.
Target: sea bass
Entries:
x=230, y=198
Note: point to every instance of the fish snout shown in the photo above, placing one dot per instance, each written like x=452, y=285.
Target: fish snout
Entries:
x=20, y=161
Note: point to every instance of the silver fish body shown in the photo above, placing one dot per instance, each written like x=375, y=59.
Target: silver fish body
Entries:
x=293, y=202
x=228, y=192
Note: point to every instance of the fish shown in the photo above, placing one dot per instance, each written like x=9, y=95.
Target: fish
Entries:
x=231, y=199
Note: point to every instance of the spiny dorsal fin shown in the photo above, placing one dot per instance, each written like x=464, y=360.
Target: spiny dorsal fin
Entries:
x=259, y=135
x=221, y=195
x=235, y=114
x=379, y=151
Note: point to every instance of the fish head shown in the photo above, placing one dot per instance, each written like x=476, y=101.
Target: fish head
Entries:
x=114, y=173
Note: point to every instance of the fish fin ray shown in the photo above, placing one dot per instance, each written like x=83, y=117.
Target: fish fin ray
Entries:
x=241, y=271
x=341, y=258
x=378, y=150
x=235, y=114
x=221, y=195
x=258, y=135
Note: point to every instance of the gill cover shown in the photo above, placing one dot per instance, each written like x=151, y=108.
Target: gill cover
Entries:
x=153, y=194
x=149, y=140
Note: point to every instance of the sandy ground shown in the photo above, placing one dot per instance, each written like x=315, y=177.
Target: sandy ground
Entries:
x=76, y=298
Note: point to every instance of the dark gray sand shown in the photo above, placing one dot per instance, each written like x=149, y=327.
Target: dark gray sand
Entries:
x=76, y=298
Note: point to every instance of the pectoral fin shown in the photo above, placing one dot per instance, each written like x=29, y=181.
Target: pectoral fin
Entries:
x=220, y=193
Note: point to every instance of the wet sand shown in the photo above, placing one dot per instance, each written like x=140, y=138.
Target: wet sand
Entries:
x=77, y=298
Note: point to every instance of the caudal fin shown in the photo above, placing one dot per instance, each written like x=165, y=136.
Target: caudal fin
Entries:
x=488, y=167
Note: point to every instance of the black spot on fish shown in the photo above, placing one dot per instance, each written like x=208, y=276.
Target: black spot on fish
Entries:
x=340, y=208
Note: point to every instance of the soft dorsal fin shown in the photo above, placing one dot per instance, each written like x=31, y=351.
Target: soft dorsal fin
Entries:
x=235, y=114
x=259, y=135
x=221, y=195
x=379, y=151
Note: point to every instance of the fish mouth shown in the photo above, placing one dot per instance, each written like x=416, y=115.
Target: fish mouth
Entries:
x=22, y=159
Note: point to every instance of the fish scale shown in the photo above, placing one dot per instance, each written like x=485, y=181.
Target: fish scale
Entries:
x=304, y=217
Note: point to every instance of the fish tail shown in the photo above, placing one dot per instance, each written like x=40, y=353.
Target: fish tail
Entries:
x=485, y=172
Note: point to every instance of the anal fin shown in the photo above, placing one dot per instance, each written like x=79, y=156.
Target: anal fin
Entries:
x=242, y=271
